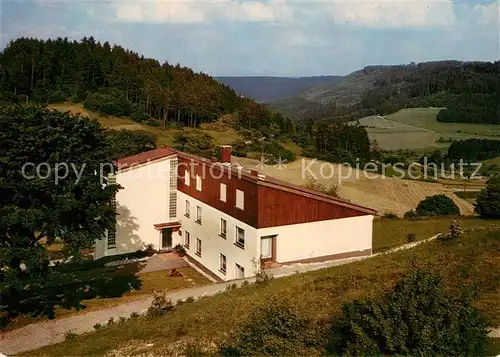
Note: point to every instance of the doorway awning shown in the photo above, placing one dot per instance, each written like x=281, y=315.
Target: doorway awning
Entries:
x=167, y=225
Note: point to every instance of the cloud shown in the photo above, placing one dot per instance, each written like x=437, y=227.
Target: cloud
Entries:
x=486, y=14
x=393, y=14
x=162, y=11
x=191, y=11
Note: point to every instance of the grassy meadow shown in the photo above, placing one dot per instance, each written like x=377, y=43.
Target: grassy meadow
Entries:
x=469, y=263
x=418, y=129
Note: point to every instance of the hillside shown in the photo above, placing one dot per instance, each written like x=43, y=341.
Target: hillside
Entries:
x=118, y=82
x=262, y=88
x=163, y=136
x=469, y=91
x=418, y=128
x=319, y=294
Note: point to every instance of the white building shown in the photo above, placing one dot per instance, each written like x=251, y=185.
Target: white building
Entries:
x=231, y=222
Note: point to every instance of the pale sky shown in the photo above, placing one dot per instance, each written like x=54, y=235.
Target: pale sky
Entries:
x=282, y=38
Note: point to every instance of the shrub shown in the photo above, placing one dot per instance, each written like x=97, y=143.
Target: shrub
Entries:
x=245, y=283
x=122, y=319
x=134, y=315
x=418, y=317
x=262, y=277
x=150, y=250
x=160, y=305
x=195, y=142
x=437, y=205
x=179, y=302
x=111, y=321
x=97, y=327
x=124, y=142
x=390, y=215
x=455, y=229
x=410, y=214
x=487, y=204
x=277, y=328
x=313, y=184
x=411, y=237
x=190, y=299
x=179, y=249
x=70, y=335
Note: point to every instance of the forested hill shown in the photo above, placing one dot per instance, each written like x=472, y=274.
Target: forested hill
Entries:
x=116, y=81
x=264, y=88
x=469, y=90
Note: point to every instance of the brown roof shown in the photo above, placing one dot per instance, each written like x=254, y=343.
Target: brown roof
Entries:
x=143, y=158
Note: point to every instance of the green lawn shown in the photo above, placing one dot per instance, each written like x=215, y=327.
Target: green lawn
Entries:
x=469, y=263
x=389, y=233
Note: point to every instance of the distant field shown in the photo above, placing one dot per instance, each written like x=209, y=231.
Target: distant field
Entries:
x=164, y=137
x=425, y=118
x=494, y=161
x=392, y=135
x=417, y=128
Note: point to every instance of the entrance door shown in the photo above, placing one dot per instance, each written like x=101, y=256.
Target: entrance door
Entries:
x=267, y=248
x=166, y=238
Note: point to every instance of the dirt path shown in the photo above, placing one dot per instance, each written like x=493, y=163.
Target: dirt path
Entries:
x=50, y=332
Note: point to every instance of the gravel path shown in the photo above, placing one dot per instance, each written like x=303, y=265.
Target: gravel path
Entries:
x=50, y=332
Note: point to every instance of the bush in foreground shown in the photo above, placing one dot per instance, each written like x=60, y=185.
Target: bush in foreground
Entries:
x=277, y=328
x=488, y=201
x=437, y=205
x=418, y=317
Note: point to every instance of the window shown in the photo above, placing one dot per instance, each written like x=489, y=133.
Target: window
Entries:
x=198, y=247
x=111, y=234
x=172, y=204
x=240, y=237
x=223, y=228
x=240, y=199
x=198, y=182
x=198, y=214
x=187, y=178
x=222, y=263
x=240, y=271
x=188, y=209
x=187, y=238
x=223, y=190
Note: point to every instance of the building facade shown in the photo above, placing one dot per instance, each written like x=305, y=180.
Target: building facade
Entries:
x=230, y=221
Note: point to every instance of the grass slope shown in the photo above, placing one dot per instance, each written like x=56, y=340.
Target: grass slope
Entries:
x=470, y=263
x=417, y=128
x=164, y=137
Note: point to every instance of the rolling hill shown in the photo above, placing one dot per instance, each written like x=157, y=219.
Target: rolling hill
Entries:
x=468, y=90
x=262, y=88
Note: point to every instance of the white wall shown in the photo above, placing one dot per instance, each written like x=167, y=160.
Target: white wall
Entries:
x=212, y=243
x=316, y=239
x=141, y=203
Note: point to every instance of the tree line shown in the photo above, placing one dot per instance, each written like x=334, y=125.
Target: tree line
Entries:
x=115, y=81
x=474, y=149
x=469, y=92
